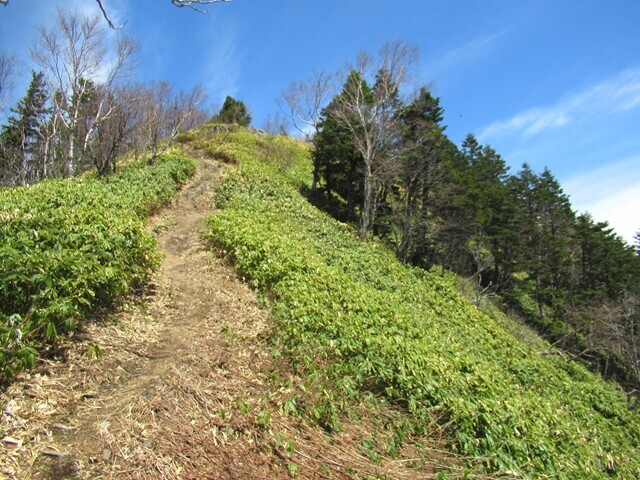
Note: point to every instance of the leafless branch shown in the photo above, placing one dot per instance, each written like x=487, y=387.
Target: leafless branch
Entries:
x=166, y=114
x=74, y=56
x=178, y=3
x=106, y=17
x=276, y=124
x=302, y=102
x=192, y=3
x=8, y=65
x=372, y=121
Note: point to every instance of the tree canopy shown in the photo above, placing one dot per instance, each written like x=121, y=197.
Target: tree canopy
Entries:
x=234, y=111
x=79, y=113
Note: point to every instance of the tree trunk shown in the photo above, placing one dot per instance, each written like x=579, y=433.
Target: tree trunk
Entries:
x=367, y=204
x=45, y=158
x=24, y=168
x=316, y=175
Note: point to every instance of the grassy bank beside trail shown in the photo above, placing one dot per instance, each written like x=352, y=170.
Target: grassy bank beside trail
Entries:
x=70, y=246
x=351, y=312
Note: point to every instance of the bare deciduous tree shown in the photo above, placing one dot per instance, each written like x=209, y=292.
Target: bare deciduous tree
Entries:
x=107, y=102
x=74, y=56
x=302, y=102
x=8, y=65
x=110, y=134
x=483, y=260
x=371, y=116
x=166, y=114
x=621, y=324
x=47, y=133
x=276, y=124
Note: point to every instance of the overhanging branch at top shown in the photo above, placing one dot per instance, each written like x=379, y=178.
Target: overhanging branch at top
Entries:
x=106, y=17
x=193, y=3
x=178, y=3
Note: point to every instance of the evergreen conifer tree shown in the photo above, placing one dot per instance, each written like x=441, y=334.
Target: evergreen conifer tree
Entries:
x=337, y=161
x=338, y=164
x=20, y=135
x=420, y=171
x=489, y=206
x=234, y=111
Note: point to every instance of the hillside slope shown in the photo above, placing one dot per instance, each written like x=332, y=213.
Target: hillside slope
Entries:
x=186, y=387
x=352, y=316
x=361, y=367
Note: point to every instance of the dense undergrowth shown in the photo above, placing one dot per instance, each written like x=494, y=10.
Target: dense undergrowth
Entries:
x=351, y=312
x=70, y=246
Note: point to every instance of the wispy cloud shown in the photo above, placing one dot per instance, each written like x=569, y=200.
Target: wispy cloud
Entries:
x=616, y=94
x=24, y=18
x=222, y=66
x=470, y=52
x=610, y=193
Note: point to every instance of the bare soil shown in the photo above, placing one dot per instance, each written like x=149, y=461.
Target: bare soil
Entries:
x=181, y=384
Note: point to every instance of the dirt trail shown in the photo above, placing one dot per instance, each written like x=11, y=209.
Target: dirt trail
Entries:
x=185, y=387
x=161, y=400
x=161, y=418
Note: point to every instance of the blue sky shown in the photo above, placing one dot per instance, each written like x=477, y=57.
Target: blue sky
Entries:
x=551, y=83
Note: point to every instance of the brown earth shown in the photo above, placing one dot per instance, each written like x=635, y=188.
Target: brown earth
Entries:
x=185, y=386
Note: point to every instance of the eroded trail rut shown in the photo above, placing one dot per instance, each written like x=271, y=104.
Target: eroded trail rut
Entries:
x=179, y=379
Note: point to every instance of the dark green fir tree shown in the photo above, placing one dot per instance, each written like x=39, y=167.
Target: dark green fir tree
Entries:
x=234, y=111
x=20, y=137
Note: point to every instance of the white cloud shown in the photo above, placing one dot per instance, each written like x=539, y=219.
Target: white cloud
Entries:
x=24, y=18
x=610, y=193
x=222, y=66
x=469, y=52
x=529, y=123
x=629, y=93
x=620, y=210
x=616, y=94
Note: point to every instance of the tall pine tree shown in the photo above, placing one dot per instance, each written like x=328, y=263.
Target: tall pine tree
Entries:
x=420, y=171
x=21, y=135
x=338, y=166
x=545, y=224
x=489, y=207
x=337, y=160
x=234, y=111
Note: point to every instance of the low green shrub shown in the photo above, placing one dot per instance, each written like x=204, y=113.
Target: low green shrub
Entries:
x=69, y=246
x=350, y=311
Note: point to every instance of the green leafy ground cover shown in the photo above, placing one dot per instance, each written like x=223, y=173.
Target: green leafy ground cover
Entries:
x=70, y=246
x=350, y=311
